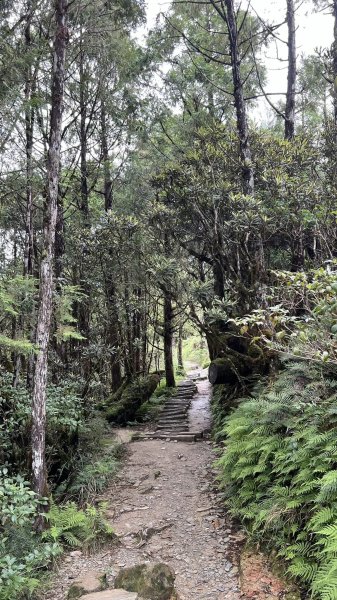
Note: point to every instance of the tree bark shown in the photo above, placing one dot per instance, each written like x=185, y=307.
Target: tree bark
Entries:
x=289, y=115
x=106, y=162
x=334, y=68
x=83, y=140
x=168, y=339
x=39, y=471
x=30, y=86
x=180, y=348
x=239, y=101
x=113, y=335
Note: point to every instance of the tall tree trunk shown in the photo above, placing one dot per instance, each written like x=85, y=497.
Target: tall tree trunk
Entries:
x=239, y=101
x=136, y=329
x=30, y=87
x=180, y=348
x=168, y=339
x=84, y=305
x=83, y=140
x=39, y=471
x=106, y=161
x=113, y=325
x=113, y=334
x=334, y=68
x=289, y=115
x=257, y=267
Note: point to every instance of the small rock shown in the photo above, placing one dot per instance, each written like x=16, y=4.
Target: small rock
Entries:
x=146, y=489
x=89, y=582
x=75, y=553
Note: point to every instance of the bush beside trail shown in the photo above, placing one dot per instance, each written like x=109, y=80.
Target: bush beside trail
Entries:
x=279, y=472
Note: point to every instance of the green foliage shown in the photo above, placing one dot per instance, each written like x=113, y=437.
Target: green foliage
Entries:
x=65, y=421
x=65, y=319
x=75, y=527
x=195, y=350
x=22, y=552
x=278, y=471
x=93, y=473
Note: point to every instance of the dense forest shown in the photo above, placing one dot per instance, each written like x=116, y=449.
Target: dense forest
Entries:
x=143, y=205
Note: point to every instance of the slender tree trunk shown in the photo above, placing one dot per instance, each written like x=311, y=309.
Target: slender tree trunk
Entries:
x=113, y=335
x=289, y=122
x=84, y=305
x=106, y=160
x=30, y=86
x=136, y=332
x=39, y=471
x=180, y=348
x=113, y=325
x=83, y=140
x=239, y=101
x=334, y=68
x=168, y=339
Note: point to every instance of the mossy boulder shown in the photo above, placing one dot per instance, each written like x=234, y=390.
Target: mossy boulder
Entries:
x=235, y=366
x=150, y=581
x=122, y=409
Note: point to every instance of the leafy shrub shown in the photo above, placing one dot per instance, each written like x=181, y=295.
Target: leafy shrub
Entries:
x=76, y=527
x=65, y=419
x=279, y=472
x=22, y=552
x=94, y=475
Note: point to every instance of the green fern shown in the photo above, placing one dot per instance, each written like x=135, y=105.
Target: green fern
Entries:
x=76, y=527
x=278, y=472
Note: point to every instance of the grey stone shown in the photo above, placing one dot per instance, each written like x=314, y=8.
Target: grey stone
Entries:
x=89, y=582
x=151, y=581
x=116, y=594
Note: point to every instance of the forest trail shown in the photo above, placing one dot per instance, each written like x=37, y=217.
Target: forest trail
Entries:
x=164, y=508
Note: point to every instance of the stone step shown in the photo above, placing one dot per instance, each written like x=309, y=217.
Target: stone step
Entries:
x=197, y=434
x=172, y=426
x=175, y=403
x=183, y=436
x=179, y=410
x=180, y=423
x=173, y=417
x=111, y=595
x=173, y=413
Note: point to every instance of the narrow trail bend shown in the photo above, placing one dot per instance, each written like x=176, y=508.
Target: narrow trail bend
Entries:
x=163, y=509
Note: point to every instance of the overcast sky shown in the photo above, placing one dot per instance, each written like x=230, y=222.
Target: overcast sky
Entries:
x=314, y=31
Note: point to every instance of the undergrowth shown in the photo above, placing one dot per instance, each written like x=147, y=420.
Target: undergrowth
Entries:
x=279, y=472
x=24, y=553
x=71, y=520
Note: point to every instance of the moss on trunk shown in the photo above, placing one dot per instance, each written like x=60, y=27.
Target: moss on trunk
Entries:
x=122, y=407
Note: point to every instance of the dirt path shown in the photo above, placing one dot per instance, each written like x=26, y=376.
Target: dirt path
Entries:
x=164, y=509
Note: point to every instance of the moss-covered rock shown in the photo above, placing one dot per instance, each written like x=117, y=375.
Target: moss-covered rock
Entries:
x=122, y=409
x=150, y=581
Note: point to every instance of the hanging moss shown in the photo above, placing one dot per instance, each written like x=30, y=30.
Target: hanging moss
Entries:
x=122, y=409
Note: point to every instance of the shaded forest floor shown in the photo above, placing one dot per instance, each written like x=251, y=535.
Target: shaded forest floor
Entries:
x=164, y=507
